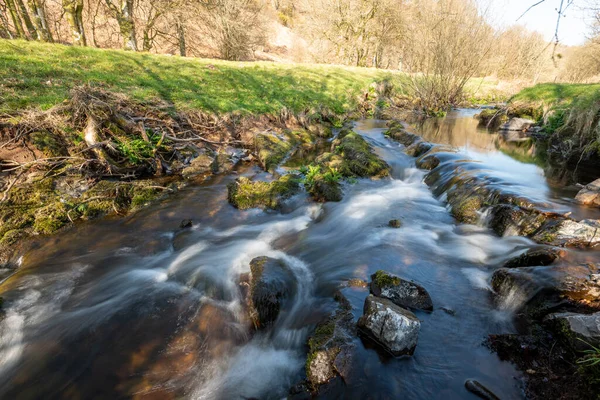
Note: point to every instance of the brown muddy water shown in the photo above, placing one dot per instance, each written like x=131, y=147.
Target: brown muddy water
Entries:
x=138, y=308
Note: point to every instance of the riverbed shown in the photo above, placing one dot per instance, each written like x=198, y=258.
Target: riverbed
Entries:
x=139, y=307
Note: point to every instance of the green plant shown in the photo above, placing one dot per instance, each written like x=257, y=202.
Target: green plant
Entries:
x=591, y=357
x=311, y=175
x=332, y=176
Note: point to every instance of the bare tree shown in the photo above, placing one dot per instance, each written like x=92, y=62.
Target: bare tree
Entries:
x=16, y=18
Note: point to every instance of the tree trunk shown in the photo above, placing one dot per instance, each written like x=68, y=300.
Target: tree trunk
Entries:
x=40, y=20
x=74, y=11
x=5, y=32
x=25, y=16
x=124, y=15
x=181, y=36
x=14, y=14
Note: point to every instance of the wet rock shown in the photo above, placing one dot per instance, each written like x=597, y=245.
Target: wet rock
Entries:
x=244, y=193
x=418, y=149
x=271, y=288
x=491, y=118
x=395, y=223
x=201, y=165
x=330, y=346
x=186, y=223
x=590, y=194
x=537, y=292
x=517, y=124
x=578, y=330
x=359, y=158
x=223, y=163
x=479, y=390
x=535, y=257
x=322, y=190
x=299, y=391
x=567, y=232
x=465, y=204
x=428, y=162
x=401, y=292
x=271, y=149
x=401, y=135
x=392, y=327
x=448, y=311
x=509, y=220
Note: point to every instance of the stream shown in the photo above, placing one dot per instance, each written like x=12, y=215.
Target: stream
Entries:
x=139, y=308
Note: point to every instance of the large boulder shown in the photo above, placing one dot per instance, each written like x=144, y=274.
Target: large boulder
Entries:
x=539, y=291
x=272, y=288
x=510, y=220
x=578, y=330
x=399, y=291
x=517, y=124
x=392, y=327
x=590, y=194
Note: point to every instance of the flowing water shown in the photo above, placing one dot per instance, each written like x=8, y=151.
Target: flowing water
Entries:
x=137, y=307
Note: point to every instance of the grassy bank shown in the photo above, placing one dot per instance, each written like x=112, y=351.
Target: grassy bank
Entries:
x=570, y=117
x=37, y=75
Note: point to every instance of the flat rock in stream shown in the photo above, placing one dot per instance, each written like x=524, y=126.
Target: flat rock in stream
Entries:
x=536, y=257
x=590, y=194
x=538, y=291
x=393, y=328
x=567, y=232
x=399, y=291
x=272, y=287
x=517, y=124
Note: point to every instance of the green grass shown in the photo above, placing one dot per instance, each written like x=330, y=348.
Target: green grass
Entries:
x=557, y=94
x=38, y=75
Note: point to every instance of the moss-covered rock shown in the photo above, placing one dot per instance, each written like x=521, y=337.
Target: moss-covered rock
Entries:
x=50, y=218
x=271, y=149
x=244, y=193
x=401, y=292
x=395, y=223
x=323, y=190
x=491, y=118
x=330, y=348
x=359, y=158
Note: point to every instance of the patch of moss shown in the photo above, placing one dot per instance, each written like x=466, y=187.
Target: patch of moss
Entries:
x=359, y=158
x=12, y=236
x=271, y=150
x=384, y=279
x=142, y=196
x=51, y=218
x=49, y=143
x=464, y=208
x=244, y=193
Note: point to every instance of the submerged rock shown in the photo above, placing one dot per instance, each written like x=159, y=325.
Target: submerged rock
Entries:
x=395, y=223
x=186, y=223
x=535, y=257
x=392, y=327
x=590, y=194
x=479, y=390
x=517, y=124
x=272, y=287
x=401, y=292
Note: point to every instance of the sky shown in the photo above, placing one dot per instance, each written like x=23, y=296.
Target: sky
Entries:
x=573, y=27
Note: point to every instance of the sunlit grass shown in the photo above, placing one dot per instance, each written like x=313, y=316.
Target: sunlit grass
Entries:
x=37, y=75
